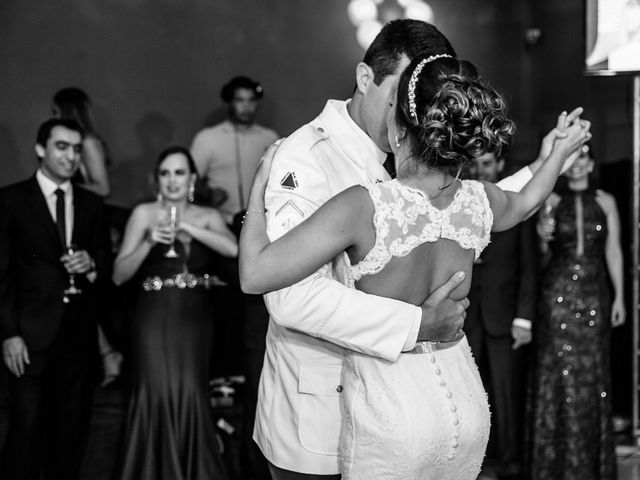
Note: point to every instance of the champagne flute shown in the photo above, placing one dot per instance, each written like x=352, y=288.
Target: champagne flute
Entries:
x=71, y=289
x=173, y=213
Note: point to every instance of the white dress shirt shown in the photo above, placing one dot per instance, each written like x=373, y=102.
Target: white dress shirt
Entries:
x=49, y=188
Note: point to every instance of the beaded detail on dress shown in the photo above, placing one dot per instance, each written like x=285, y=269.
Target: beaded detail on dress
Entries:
x=405, y=218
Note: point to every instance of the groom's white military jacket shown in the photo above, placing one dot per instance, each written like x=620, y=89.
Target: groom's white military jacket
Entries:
x=316, y=321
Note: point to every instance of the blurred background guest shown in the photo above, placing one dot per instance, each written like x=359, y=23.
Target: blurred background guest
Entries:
x=169, y=247
x=502, y=306
x=74, y=103
x=227, y=155
x=54, y=245
x=571, y=435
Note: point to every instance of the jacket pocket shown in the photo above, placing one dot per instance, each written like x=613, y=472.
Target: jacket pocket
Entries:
x=319, y=416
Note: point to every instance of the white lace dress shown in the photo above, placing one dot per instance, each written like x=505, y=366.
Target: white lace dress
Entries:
x=425, y=416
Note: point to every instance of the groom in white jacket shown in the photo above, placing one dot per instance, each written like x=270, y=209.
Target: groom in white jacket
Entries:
x=314, y=322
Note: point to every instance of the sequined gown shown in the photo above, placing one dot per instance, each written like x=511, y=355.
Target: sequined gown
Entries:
x=426, y=415
x=170, y=432
x=571, y=436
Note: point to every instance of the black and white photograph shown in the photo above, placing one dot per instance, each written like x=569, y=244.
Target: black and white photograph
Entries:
x=320, y=240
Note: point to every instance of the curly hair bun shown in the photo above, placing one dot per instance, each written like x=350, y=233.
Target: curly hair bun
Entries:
x=459, y=117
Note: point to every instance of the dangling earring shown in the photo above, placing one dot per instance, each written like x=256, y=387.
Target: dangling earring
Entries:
x=191, y=192
x=159, y=197
x=397, y=141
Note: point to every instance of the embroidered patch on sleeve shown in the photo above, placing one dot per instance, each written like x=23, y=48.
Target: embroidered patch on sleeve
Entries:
x=289, y=215
x=289, y=181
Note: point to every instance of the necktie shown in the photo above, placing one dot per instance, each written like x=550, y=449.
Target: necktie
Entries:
x=390, y=165
x=61, y=222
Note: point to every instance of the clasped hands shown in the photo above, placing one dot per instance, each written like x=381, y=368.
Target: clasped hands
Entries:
x=559, y=132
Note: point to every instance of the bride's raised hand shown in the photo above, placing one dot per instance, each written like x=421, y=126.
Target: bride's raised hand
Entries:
x=559, y=131
x=571, y=146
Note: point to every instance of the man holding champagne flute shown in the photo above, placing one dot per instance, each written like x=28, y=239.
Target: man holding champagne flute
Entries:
x=54, y=246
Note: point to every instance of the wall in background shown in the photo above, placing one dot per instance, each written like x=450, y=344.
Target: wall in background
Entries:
x=154, y=68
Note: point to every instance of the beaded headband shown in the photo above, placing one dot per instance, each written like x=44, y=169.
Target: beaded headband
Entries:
x=414, y=79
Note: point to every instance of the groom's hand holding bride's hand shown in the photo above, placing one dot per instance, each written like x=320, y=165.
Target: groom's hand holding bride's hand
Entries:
x=442, y=317
x=564, y=121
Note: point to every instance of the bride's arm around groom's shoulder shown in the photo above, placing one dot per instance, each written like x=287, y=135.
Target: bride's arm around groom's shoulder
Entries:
x=299, y=183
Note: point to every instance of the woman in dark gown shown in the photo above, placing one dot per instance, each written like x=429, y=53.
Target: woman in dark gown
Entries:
x=571, y=436
x=170, y=432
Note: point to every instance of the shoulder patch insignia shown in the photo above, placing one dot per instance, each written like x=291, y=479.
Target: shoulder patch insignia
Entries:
x=289, y=181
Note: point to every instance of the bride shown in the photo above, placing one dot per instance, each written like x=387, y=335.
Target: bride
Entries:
x=425, y=416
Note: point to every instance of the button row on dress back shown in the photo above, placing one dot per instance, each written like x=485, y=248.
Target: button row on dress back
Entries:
x=447, y=393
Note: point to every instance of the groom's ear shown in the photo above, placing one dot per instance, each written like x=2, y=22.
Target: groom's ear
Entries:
x=364, y=77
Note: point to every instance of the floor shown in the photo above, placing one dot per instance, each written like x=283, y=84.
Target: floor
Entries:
x=628, y=465
x=109, y=413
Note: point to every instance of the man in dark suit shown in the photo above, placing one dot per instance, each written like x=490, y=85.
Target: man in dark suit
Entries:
x=48, y=334
x=502, y=306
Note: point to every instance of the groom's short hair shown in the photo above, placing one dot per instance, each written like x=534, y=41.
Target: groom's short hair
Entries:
x=412, y=38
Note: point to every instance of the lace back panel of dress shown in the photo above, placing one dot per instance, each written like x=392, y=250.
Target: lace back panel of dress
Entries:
x=404, y=218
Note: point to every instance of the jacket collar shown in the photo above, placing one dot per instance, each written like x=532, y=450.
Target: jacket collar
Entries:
x=348, y=136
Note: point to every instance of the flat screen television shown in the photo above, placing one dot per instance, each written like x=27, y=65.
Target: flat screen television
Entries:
x=612, y=37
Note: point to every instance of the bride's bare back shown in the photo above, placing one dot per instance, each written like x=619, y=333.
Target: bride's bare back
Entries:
x=414, y=277
x=413, y=247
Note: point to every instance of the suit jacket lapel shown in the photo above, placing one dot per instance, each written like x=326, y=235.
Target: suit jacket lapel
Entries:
x=42, y=213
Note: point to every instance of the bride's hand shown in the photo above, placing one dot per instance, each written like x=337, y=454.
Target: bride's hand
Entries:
x=572, y=146
x=261, y=178
x=564, y=120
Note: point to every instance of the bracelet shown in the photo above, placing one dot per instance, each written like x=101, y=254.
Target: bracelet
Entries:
x=251, y=211
x=107, y=352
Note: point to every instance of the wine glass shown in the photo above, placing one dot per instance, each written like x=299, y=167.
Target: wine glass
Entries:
x=71, y=289
x=171, y=252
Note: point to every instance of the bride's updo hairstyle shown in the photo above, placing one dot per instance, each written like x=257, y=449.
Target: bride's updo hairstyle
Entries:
x=449, y=115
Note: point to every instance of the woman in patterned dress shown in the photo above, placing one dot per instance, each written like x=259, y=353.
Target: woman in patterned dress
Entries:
x=571, y=436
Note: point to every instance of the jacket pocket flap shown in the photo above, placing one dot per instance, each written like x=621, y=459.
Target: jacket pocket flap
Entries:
x=320, y=379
